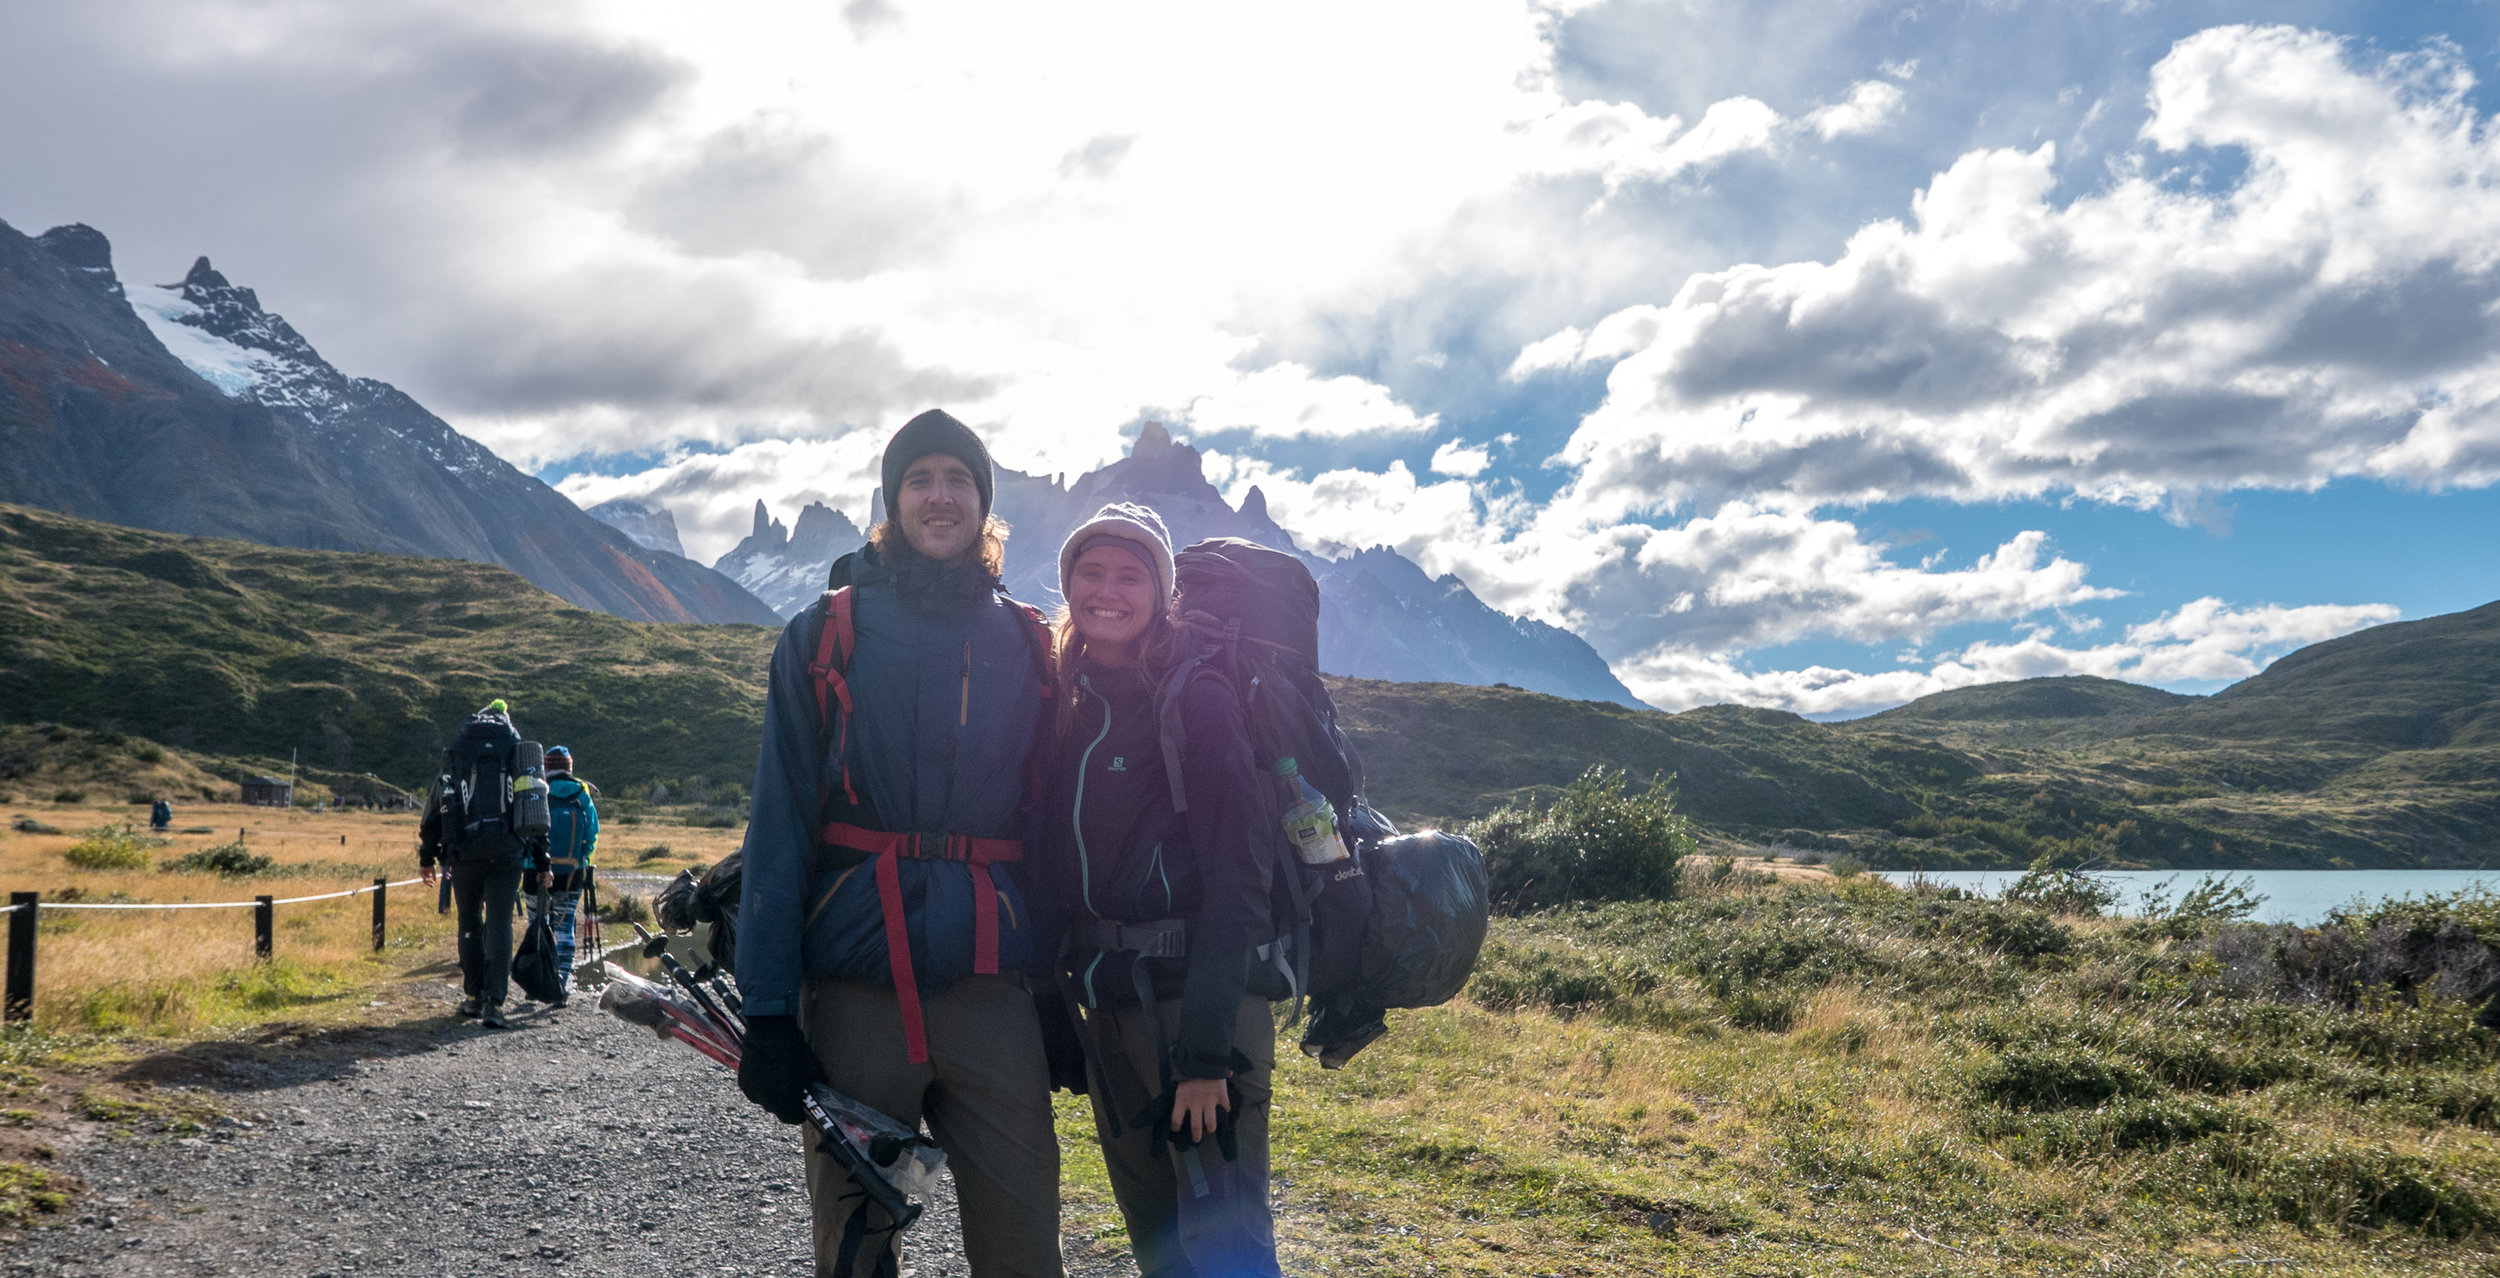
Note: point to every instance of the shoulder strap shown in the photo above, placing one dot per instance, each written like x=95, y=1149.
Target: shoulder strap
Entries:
x=1175, y=734
x=830, y=673
x=1046, y=666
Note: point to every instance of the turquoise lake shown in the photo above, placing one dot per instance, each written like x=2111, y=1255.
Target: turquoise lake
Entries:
x=2292, y=896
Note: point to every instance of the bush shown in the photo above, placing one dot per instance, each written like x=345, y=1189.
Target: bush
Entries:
x=1846, y=866
x=655, y=852
x=626, y=908
x=1596, y=843
x=714, y=819
x=69, y=796
x=109, y=847
x=2062, y=891
x=230, y=860
x=29, y=825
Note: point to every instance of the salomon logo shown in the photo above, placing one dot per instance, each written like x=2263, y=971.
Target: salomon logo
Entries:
x=1119, y=763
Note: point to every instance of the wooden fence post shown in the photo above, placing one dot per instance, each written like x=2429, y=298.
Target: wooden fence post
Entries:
x=264, y=921
x=18, y=1004
x=381, y=889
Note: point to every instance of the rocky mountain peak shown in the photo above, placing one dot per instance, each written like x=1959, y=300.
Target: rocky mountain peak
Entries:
x=768, y=530
x=84, y=247
x=1254, y=505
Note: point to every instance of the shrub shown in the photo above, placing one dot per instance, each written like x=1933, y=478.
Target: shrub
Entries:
x=229, y=860
x=148, y=752
x=109, y=847
x=1846, y=866
x=29, y=825
x=626, y=908
x=69, y=796
x=2062, y=891
x=655, y=852
x=2057, y=1077
x=714, y=819
x=1596, y=843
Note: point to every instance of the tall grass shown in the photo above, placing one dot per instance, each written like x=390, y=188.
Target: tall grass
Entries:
x=178, y=972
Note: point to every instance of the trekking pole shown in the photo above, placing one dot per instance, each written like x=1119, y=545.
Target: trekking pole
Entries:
x=657, y=947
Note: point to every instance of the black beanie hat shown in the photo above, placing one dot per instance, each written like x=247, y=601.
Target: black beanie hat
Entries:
x=935, y=432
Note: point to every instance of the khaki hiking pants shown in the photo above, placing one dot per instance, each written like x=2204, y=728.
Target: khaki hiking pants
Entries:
x=1176, y=1231
x=985, y=1095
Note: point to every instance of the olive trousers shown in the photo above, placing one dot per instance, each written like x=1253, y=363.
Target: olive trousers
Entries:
x=1210, y=1222
x=984, y=1093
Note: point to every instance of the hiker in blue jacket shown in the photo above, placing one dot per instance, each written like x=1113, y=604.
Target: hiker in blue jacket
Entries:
x=881, y=931
x=1156, y=915
x=572, y=838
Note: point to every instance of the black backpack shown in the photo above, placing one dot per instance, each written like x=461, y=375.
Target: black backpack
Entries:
x=1352, y=940
x=477, y=786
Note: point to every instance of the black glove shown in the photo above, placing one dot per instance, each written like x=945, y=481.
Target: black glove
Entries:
x=775, y=1067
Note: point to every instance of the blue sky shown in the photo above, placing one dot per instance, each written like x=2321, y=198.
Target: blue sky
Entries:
x=1803, y=354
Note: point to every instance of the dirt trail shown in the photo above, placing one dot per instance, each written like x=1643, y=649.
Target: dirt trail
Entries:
x=571, y=1144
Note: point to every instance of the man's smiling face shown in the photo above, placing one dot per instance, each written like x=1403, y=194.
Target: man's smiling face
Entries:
x=939, y=509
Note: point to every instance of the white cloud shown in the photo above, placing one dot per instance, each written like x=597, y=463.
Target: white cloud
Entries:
x=2206, y=641
x=2333, y=312
x=1870, y=106
x=1461, y=461
x=713, y=495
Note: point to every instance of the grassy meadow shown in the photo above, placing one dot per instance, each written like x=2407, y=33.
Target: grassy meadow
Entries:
x=1810, y=1076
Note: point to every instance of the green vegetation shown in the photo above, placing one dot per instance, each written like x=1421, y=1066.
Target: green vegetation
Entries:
x=230, y=860
x=361, y=661
x=26, y=1191
x=1847, y=1077
x=1593, y=843
x=111, y=847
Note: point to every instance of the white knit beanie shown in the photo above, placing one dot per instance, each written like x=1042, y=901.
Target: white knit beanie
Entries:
x=1138, y=530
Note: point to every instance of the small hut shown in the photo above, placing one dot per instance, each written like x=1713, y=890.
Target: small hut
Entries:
x=268, y=792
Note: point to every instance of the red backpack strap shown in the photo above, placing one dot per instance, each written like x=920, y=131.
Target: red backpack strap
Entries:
x=831, y=674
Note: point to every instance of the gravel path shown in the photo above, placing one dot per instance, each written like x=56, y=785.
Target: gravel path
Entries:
x=571, y=1144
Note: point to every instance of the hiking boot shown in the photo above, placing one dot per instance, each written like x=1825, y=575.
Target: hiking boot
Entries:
x=492, y=1017
x=470, y=1007
x=559, y=1000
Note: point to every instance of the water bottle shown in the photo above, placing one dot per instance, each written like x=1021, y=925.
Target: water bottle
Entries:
x=1310, y=823
x=529, y=792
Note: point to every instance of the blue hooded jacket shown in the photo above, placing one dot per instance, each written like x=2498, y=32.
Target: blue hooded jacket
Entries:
x=947, y=695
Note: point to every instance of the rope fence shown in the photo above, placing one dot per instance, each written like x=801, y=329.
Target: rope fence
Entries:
x=17, y=993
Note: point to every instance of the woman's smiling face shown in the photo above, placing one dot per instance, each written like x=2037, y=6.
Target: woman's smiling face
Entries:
x=1111, y=593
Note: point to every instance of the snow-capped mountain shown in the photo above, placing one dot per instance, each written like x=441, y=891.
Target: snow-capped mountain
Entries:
x=191, y=408
x=651, y=527
x=785, y=567
x=1381, y=616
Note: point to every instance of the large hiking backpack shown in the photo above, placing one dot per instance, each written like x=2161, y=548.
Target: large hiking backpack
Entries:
x=1355, y=940
x=568, y=830
x=707, y=897
x=476, y=785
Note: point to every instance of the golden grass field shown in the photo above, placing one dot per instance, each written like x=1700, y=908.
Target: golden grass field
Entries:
x=185, y=972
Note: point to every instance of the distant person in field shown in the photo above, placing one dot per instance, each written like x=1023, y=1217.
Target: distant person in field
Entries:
x=572, y=836
x=1156, y=915
x=882, y=936
x=467, y=825
x=160, y=816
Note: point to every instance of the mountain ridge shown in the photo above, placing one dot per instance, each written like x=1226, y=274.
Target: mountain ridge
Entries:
x=191, y=408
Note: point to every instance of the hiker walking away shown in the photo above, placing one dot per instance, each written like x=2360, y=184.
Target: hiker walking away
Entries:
x=1156, y=914
x=881, y=929
x=469, y=826
x=572, y=836
x=160, y=816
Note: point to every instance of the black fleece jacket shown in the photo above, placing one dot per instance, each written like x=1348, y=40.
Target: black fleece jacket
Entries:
x=1110, y=846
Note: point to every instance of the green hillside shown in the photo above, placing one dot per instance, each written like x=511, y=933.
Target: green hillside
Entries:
x=2061, y=710
x=358, y=660
x=246, y=652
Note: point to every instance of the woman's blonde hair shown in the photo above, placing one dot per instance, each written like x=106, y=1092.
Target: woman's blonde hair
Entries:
x=895, y=550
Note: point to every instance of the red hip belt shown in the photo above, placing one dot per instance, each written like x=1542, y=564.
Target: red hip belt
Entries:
x=889, y=848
